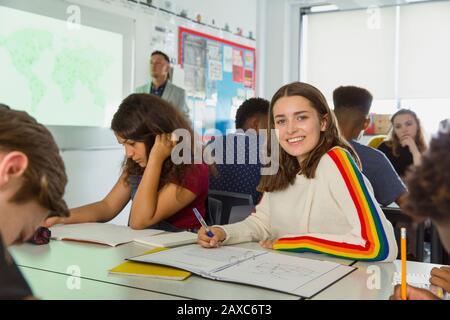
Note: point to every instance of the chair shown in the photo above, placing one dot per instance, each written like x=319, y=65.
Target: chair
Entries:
x=438, y=254
x=213, y=211
x=229, y=200
x=239, y=213
x=375, y=141
x=396, y=216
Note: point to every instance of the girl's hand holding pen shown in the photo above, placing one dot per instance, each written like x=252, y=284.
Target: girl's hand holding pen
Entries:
x=210, y=242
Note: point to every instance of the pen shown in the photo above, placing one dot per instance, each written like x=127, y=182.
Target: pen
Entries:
x=403, y=256
x=203, y=223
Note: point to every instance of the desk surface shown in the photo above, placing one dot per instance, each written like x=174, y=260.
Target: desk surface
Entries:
x=54, y=286
x=94, y=261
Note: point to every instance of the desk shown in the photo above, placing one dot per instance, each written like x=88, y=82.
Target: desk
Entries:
x=53, y=286
x=94, y=261
x=371, y=281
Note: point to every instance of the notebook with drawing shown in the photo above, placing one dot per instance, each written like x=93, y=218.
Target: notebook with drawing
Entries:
x=169, y=240
x=270, y=270
x=102, y=233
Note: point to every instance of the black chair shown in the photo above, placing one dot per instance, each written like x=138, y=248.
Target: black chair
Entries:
x=213, y=211
x=396, y=217
x=229, y=200
x=438, y=253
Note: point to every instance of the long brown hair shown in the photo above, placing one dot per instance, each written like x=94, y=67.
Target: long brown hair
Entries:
x=394, y=143
x=141, y=117
x=45, y=177
x=289, y=165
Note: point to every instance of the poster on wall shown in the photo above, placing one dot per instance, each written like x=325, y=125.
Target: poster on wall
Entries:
x=194, y=63
x=163, y=38
x=219, y=76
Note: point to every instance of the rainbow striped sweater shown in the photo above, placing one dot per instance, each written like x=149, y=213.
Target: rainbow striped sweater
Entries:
x=335, y=213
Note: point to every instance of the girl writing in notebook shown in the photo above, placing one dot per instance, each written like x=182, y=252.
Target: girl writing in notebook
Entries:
x=163, y=193
x=318, y=201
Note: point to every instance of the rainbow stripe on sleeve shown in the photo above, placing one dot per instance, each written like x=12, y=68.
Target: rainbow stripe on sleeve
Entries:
x=376, y=247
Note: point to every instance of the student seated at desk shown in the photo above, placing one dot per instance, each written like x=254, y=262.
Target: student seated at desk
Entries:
x=406, y=141
x=240, y=167
x=318, y=201
x=163, y=193
x=429, y=197
x=32, y=182
x=351, y=108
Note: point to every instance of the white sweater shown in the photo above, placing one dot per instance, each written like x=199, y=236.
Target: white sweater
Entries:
x=334, y=213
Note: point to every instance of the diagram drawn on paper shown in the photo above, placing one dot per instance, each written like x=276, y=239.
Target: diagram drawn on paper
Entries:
x=285, y=271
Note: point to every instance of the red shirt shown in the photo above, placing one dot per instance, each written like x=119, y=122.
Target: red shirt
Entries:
x=196, y=181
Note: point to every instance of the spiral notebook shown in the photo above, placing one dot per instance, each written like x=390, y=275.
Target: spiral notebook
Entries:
x=270, y=270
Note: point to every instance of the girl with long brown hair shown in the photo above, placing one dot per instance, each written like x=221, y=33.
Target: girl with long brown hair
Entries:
x=163, y=193
x=406, y=141
x=318, y=201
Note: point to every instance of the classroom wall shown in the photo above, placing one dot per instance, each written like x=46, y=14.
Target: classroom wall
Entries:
x=278, y=22
x=236, y=13
x=93, y=171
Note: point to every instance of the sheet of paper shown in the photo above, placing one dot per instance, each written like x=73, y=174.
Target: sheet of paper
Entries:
x=277, y=271
x=199, y=260
x=105, y=233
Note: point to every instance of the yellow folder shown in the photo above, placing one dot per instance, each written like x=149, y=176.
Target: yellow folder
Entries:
x=150, y=270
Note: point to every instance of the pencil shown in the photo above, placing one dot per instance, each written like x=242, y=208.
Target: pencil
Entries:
x=403, y=256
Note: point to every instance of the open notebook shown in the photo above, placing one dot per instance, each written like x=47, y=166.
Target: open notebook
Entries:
x=275, y=271
x=102, y=233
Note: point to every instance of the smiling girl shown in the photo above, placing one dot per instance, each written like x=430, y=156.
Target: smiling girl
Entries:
x=162, y=192
x=406, y=143
x=318, y=201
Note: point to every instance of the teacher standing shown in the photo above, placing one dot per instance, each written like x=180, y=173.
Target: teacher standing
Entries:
x=160, y=84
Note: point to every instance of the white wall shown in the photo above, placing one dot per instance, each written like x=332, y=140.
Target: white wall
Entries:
x=91, y=176
x=237, y=13
x=277, y=47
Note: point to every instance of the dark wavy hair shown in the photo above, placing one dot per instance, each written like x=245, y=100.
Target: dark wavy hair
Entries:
x=429, y=183
x=331, y=137
x=393, y=141
x=141, y=117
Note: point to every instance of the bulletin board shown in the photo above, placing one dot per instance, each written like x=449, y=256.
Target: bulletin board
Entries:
x=218, y=76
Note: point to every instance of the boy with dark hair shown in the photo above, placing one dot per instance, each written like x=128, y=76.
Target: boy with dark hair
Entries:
x=351, y=107
x=252, y=114
x=32, y=183
x=243, y=173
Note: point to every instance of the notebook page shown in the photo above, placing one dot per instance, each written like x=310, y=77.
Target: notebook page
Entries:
x=104, y=233
x=199, y=260
x=277, y=271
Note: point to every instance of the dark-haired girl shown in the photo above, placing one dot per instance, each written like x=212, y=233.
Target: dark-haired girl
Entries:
x=163, y=193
